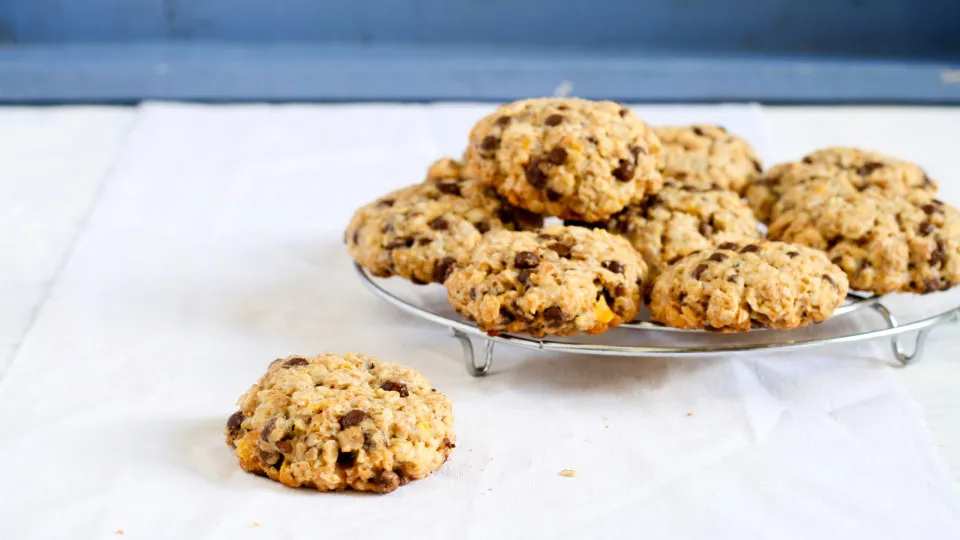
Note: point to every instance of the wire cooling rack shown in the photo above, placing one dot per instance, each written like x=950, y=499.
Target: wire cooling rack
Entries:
x=691, y=342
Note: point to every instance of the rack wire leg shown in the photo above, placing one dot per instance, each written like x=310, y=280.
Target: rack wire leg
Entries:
x=468, y=356
x=904, y=358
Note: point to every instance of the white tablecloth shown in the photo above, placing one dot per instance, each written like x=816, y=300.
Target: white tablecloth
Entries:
x=216, y=247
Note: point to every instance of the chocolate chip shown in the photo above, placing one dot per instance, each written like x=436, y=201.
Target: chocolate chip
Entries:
x=397, y=243
x=926, y=228
x=449, y=188
x=524, y=277
x=557, y=156
x=933, y=284
x=396, y=386
x=808, y=160
x=553, y=196
x=482, y=226
x=756, y=166
x=681, y=297
x=234, y=422
x=446, y=443
x=699, y=270
x=504, y=121
x=385, y=202
x=614, y=266
x=526, y=259
x=473, y=293
x=750, y=248
x=830, y=280
x=285, y=446
x=554, y=120
x=620, y=290
x=939, y=253
x=792, y=254
x=869, y=167
x=489, y=143
x=439, y=224
x=386, y=481
x=562, y=249
x=352, y=418
x=505, y=313
x=265, y=433
x=927, y=209
x=728, y=245
x=424, y=241
x=592, y=140
x=624, y=111
x=705, y=229
x=297, y=361
x=346, y=459
x=553, y=315
x=625, y=171
x=535, y=177
x=356, y=235
x=717, y=257
x=698, y=131
x=443, y=269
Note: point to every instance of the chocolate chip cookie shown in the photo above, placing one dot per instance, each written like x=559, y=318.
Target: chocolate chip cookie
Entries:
x=884, y=243
x=420, y=231
x=858, y=169
x=329, y=422
x=703, y=156
x=681, y=219
x=565, y=157
x=560, y=280
x=737, y=286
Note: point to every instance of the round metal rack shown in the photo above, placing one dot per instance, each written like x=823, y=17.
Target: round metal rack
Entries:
x=464, y=330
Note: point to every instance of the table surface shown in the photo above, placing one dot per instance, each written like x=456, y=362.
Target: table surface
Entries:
x=41, y=213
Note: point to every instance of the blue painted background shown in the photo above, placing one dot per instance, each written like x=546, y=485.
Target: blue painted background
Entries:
x=654, y=50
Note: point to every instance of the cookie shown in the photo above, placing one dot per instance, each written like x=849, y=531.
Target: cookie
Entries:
x=680, y=220
x=858, y=169
x=420, y=231
x=329, y=422
x=703, y=156
x=565, y=157
x=885, y=244
x=560, y=281
x=738, y=286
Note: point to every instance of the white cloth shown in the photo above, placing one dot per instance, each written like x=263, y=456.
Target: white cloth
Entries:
x=216, y=247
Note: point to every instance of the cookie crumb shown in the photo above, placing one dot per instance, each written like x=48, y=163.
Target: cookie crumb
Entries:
x=255, y=525
x=689, y=414
x=569, y=473
x=118, y=532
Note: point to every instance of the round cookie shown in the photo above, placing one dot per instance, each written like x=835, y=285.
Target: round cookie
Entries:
x=565, y=157
x=858, y=169
x=420, y=231
x=560, y=281
x=682, y=219
x=738, y=286
x=885, y=244
x=703, y=156
x=329, y=422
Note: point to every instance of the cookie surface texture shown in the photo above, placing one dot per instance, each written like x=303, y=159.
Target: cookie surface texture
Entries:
x=565, y=157
x=738, y=286
x=706, y=156
x=420, y=231
x=333, y=422
x=682, y=219
x=852, y=168
x=885, y=244
x=560, y=281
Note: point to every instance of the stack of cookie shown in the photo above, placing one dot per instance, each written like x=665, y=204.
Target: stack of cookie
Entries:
x=655, y=215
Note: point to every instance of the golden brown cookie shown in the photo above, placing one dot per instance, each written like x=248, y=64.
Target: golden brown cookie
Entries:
x=705, y=156
x=565, y=157
x=560, y=281
x=329, y=422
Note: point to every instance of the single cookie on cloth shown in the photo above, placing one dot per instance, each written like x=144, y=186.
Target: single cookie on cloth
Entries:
x=884, y=243
x=559, y=281
x=704, y=156
x=565, y=157
x=329, y=422
x=420, y=231
x=738, y=286
x=680, y=220
x=858, y=169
